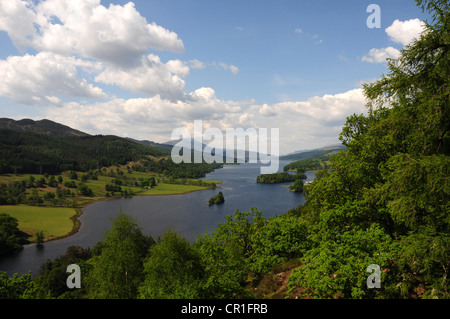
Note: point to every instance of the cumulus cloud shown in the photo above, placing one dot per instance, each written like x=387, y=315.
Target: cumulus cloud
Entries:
x=41, y=78
x=117, y=34
x=402, y=32
x=110, y=43
x=302, y=124
x=405, y=32
x=150, y=77
x=147, y=118
x=81, y=42
x=381, y=55
x=16, y=18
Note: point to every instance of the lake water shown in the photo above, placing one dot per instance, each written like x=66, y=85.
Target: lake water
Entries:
x=188, y=214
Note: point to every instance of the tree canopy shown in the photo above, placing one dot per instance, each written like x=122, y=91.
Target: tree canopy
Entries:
x=385, y=200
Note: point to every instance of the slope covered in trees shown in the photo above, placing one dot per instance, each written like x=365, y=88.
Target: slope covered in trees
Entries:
x=46, y=147
x=35, y=153
x=277, y=178
x=385, y=200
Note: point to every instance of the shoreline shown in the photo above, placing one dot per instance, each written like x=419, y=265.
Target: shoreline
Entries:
x=79, y=210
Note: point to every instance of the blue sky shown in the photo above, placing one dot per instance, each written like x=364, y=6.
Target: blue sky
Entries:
x=146, y=68
x=274, y=61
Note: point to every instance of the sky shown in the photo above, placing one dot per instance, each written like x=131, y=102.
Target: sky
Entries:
x=142, y=69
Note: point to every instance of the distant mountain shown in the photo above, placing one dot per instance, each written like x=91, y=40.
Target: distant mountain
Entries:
x=46, y=127
x=319, y=153
x=199, y=148
x=162, y=147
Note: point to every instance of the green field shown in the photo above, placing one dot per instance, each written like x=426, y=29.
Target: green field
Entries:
x=55, y=218
x=171, y=189
x=54, y=221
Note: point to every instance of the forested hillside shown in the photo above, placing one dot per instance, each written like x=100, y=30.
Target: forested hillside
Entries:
x=36, y=153
x=321, y=154
x=385, y=200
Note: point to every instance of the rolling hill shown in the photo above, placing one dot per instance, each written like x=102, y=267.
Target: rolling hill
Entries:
x=322, y=153
x=28, y=146
x=46, y=127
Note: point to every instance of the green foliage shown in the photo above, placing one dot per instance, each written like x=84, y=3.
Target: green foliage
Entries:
x=12, y=193
x=16, y=287
x=174, y=270
x=317, y=155
x=70, y=184
x=73, y=175
x=118, y=271
x=51, y=281
x=337, y=268
x=281, y=239
x=421, y=266
x=26, y=152
x=113, y=188
x=302, y=166
x=218, y=199
x=147, y=182
x=40, y=237
x=10, y=236
x=385, y=200
x=183, y=170
x=85, y=191
x=277, y=178
x=297, y=187
x=226, y=253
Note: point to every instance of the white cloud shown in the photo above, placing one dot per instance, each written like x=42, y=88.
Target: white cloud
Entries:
x=38, y=79
x=324, y=108
x=196, y=64
x=405, y=32
x=111, y=43
x=234, y=69
x=81, y=40
x=302, y=124
x=17, y=18
x=381, y=55
x=151, y=77
x=117, y=34
x=147, y=117
x=298, y=30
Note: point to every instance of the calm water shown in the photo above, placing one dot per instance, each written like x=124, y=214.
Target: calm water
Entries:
x=188, y=214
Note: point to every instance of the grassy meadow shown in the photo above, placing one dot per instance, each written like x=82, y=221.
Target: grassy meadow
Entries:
x=53, y=221
x=56, y=217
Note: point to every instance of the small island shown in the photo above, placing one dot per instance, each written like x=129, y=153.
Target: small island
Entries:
x=218, y=199
x=297, y=187
x=279, y=178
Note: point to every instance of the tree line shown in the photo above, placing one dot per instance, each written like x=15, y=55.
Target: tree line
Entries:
x=278, y=178
x=303, y=166
x=127, y=264
x=34, y=153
